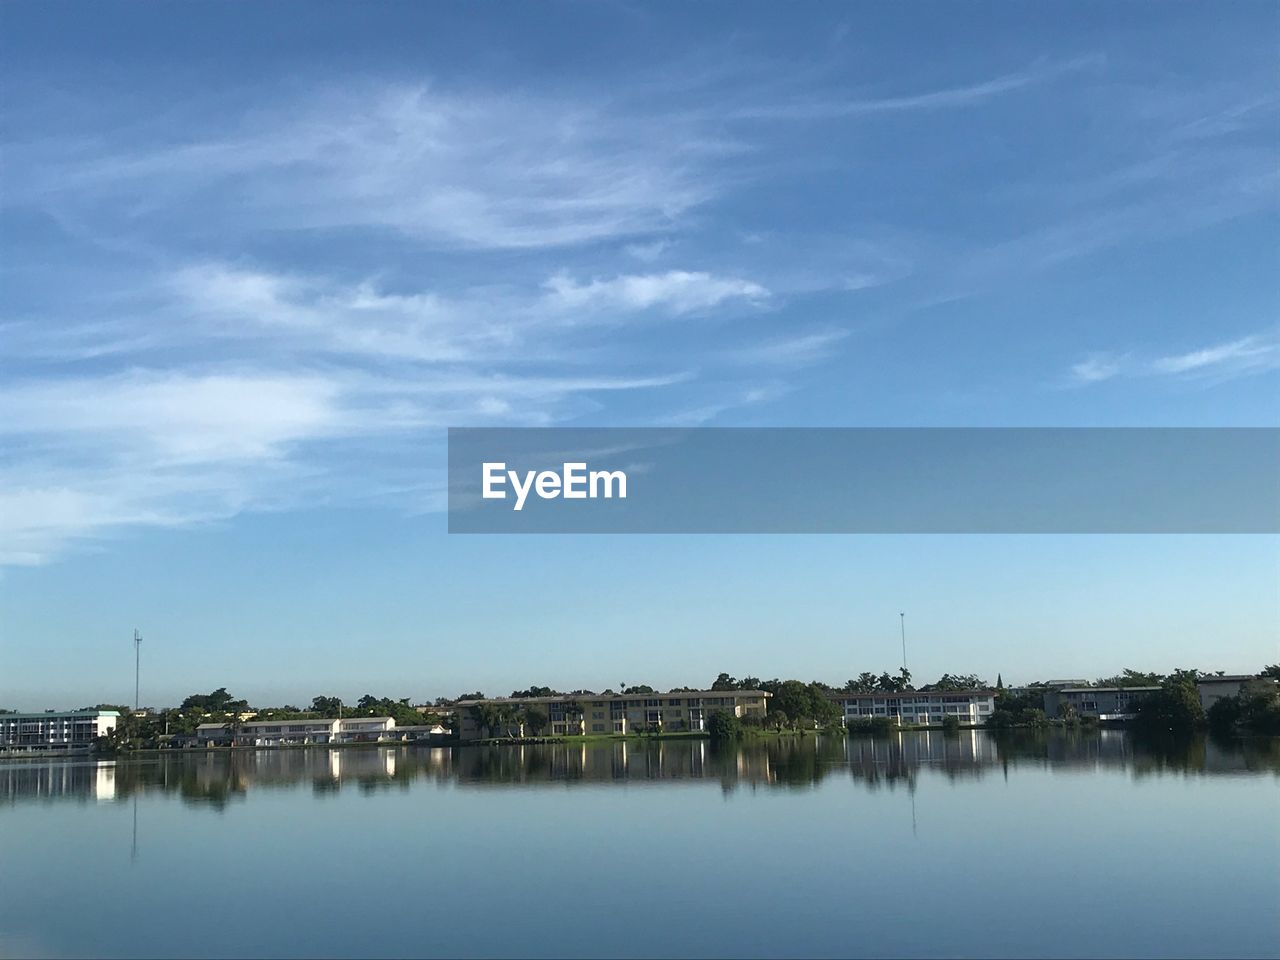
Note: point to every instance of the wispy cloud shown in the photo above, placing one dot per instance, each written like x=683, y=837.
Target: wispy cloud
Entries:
x=680, y=291
x=1253, y=354
x=793, y=351
x=964, y=95
x=479, y=171
x=1241, y=356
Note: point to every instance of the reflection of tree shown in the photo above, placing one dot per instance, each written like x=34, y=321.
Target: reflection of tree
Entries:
x=218, y=778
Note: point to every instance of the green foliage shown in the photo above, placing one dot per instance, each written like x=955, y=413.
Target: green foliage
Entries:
x=1255, y=710
x=219, y=701
x=873, y=726
x=950, y=724
x=536, y=692
x=868, y=682
x=1131, y=678
x=723, y=725
x=1017, y=711
x=1270, y=671
x=964, y=681
x=536, y=720
x=1175, y=707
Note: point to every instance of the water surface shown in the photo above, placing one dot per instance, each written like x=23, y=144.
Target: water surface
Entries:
x=1064, y=844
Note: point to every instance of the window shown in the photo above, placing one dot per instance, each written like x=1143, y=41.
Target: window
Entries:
x=653, y=703
x=597, y=728
x=674, y=703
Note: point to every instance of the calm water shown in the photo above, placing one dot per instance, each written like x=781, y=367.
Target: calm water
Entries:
x=1095, y=844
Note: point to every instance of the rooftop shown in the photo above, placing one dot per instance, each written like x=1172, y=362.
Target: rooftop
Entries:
x=898, y=694
x=50, y=714
x=589, y=697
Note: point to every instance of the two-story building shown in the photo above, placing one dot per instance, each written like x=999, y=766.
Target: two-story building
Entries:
x=66, y=730
x=970, y=708
x=603, y=714
x=1098, y=703
x=275, y=733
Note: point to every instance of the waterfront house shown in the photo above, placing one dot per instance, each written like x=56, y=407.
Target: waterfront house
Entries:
x=66, y=730
x=275, y=733
x=971, y=708
x=1098, y=703
x=682, y=711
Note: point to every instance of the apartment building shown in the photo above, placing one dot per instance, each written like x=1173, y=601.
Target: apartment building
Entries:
x=69, y=730
x=596, y=714
x=1099, y=703
x=918, y=707
x=275, y=733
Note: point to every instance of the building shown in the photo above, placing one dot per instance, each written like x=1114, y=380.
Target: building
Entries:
x=1098, y=703
x=69, y=730
x=917, y=707
x=276, y=733
x=614, y=713
x=1213, y=689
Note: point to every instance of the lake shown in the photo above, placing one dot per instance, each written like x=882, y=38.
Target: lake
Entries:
x=1089, y=843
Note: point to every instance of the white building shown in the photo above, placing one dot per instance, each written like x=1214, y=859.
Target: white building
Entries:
x=275, y=733
x=69, y=730
x=918, y=707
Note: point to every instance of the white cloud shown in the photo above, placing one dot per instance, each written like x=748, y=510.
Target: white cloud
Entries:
x=1253, y=354
x=1245, y=354
x=490, y=171
x=795, y=351
x=1095, y=369
x=679, y=291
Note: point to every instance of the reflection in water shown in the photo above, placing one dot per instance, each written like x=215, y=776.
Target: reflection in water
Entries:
x=216, y=778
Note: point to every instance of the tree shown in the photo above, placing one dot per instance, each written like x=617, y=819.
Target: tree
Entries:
x=865, y=683
x=536, y=719
x=964, y=681
x=999, y=681
x=485, y=717
x=1271, y=670
x=723, y=725
x=1175, y=707
x=639, y=688
x=749, y=683
x=535, y=692
x=219, y=701
x=1131, y=678
x=724, y=682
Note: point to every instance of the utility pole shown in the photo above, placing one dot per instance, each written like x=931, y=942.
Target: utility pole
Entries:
x=137, y=666
x=902, y=622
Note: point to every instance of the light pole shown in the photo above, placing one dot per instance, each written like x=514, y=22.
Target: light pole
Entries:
x=137, y=666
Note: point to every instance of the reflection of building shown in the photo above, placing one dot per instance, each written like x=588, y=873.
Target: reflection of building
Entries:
x=1101, y=703
x=609, y=713
x=274, y=733
x=918, y=707
x=1213, y=689
x=70, y=730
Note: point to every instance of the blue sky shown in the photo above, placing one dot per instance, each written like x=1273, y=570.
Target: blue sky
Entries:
x=256, y=259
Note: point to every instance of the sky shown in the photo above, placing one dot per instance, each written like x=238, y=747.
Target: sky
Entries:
x=257, y=259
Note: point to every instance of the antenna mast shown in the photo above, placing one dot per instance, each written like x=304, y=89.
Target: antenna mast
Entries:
x=137, y=665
